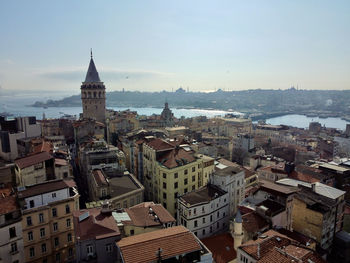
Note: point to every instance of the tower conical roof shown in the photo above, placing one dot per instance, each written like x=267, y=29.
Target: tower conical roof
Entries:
x=92, y=74
x=238, y=218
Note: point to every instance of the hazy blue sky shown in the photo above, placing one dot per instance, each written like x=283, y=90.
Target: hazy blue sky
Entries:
x=156, y=45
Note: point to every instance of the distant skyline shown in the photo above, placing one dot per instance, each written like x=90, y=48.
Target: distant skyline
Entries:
x=164, y=45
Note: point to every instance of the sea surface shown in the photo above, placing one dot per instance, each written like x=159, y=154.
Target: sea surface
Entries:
x=19, y=106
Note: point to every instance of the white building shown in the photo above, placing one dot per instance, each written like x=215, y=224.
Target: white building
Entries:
x=230, y=178
x=13, y=130
x=204, y=211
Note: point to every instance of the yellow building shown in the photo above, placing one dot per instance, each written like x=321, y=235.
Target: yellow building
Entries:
x=47, y=221
x=172, y=169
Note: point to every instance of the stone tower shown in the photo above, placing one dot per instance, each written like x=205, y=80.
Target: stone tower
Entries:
x=93, y=95
x=237, y=230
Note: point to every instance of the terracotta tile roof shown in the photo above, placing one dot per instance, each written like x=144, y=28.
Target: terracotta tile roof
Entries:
x=273, y=247
x=144, y=215
x=99, y=177
x=222, y=247
x=303, y=177
x=33, y=159
x=173, y=241
x=46, y=187
x=253, y=222
x=43, y=147
x=159, y=145
x=176, y=157
x=97, y=226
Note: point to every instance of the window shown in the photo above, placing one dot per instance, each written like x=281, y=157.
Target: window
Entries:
x=41, y=218
x=13, y=247
x=164, y=185
x=70, y=252
x=31, y=203
x=164, y=175
x=30, y=236
x=195, y=211
x=185, y=181
x=31, y=252
x=195, y=223
x=164, y=195
x=12, y=232
x=132, y=232
x=176, y=195
x=125, y=204
x=176, y=185
x=89, y=249
x=103, y=192
x=29, y=220
x=138, y=199
x=58, y=257
x=55, y=226
x=164, y=204
x=67, y=209
x=54, y=212
x=193, y=178
x=43, y=248
x=42, y=232
x=211, y=229
x=68, y=222
x=185, y=190
x=53, y=195
x=65, y=174
x=186, y=171
x=176, y=175
x=211, y=218
x=57, y=242
x=203, y=231
x=217, y=224
x=203, y=220
x=195, y=233
x=193, y=168
x=109, y=248
x=193, y=187
x=69, y=237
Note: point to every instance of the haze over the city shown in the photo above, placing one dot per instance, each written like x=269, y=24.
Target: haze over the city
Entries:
x=162, y=45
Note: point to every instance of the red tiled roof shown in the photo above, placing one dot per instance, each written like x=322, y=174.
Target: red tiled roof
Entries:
x=173, y=241
x=8, y=201
x=43, y=147
x=222, y=247
x=173, y=158
x=97, y=226
x=159, y=145
x=253, y=222
x=33, y=159
x=141, y=215
x=303, y=177
x=46, y=187
x=99, y=177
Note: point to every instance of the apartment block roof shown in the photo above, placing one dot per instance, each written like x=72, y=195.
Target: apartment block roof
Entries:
x=96, y=225
x=173, y=241
x=222, y=247
x=45, y=187
x=33, y=159
x=99, y=177
x=253, y=222
x=148, y=214
x=277, y=188
x=159, y=144
x=176, y=157
x=204, y=194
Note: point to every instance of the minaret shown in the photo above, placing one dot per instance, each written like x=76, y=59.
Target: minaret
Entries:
x=93, y=95
x=238, y=233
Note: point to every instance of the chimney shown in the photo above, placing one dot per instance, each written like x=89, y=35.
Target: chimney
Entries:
x=313, y=187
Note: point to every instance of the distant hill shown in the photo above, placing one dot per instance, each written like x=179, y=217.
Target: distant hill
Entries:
x=249, y=101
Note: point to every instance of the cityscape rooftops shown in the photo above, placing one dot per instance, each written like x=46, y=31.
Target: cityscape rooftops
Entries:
x=222, y=247
x=173, y=241
x=202, y=195
x=277, y=188
x=231, y=170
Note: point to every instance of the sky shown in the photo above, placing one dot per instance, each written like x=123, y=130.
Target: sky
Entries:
x=163, y=45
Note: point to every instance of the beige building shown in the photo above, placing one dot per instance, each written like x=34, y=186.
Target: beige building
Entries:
x=171, y=170
x=47, y=221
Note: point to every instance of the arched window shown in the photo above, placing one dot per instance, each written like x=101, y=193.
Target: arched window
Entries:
x=99, y=94
x=94, y=94
x=89, y=94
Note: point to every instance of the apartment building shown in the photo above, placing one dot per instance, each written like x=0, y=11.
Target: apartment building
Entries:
x=11, y=241
x=230, y=177
x=172, y=169
x=13, y=130
x=204, y=211
x=47, y=221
